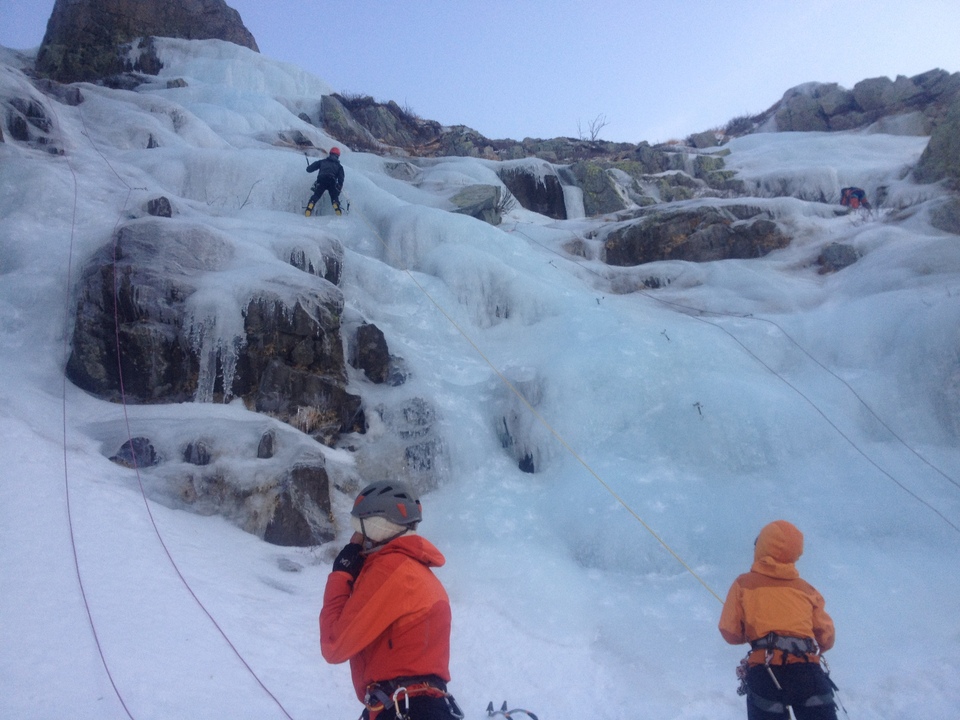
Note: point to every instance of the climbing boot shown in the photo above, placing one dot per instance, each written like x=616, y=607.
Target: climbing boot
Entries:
x=309, y=211
x=336, y=208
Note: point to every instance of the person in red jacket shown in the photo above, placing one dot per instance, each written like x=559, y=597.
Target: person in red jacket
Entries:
x=783, y=618
x=386, y=612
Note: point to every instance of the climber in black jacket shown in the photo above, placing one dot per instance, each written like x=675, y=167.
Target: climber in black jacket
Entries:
x=329, y=179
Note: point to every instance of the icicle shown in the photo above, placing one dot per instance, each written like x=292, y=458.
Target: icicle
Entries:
x=217, y=355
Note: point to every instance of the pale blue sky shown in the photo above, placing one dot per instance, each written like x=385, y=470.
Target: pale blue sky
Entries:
x=655, y=70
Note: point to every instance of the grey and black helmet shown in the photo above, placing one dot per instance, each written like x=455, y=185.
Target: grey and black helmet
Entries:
x=390, y=499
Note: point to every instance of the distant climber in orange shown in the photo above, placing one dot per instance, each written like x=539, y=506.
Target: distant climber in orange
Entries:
x=783, y=618
x=854, y=198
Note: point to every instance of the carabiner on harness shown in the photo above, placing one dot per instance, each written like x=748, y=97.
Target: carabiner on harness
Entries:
x=742, y=669
x=508, y=714
x=405, y=715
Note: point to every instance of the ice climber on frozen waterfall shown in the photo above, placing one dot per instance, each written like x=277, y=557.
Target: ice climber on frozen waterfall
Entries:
x=329, y=179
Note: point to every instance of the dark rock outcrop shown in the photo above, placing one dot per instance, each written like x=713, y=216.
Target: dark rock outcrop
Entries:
x=371, y=353
x=827, y=106
x=85, y=38
x=267, y=446
x=365, y=123
x=29, y=119
x=284, y=503
x=600, y=194
x=197, y=453
x=301, y=508
x=479, y=201
x=941, y=158
x=837, y=256
x=699, y=235
x=946, y=217
x=137, y=453
x=646, y=176
x=160, y=207
x=289, y=361
x=292, y=367
x=337, y=121
x=536, y=188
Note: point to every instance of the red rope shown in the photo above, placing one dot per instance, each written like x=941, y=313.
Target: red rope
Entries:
x=126, y=417
x=66, y=472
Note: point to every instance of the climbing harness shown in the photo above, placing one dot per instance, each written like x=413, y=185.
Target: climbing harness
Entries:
x=786, y=645
x=393, y=693
x=507, y=713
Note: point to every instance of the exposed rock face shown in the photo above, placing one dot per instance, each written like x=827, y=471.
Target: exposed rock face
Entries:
x=387, y=123
x=136, y=452
x=837, y=256
x=536, y=188
x=479, y=201
x=702, y=140
x=26, y=113
x=643, y=177
x=337, y=121
x=84, y=37
x=941, y=158
x=827, y=106
x=698, y=235
x=28, y=116
x=599, y=191
x=366, y=124
x=288, y=362
x=301, y=508
x=371, y=353
x=292, y=367
x=160, y=207
x=285, y=501
x=947, y=216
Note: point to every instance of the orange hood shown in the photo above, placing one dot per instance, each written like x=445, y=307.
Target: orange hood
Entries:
x=779, y=546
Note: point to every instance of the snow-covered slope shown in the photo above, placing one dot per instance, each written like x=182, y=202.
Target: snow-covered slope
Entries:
x=689, y=416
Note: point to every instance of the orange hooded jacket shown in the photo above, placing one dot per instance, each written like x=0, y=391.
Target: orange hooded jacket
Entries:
x=773, y=598
x=393, y=621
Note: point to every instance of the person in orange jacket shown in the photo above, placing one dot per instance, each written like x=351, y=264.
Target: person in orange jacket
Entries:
x=386, y=612
x=783, y=618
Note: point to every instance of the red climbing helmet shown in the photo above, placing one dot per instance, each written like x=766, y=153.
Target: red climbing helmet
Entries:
x=335, y=151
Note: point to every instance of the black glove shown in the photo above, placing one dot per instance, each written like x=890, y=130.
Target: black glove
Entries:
x=350, y=560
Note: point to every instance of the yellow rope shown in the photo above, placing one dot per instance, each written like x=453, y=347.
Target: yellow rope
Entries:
x=538, y=416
